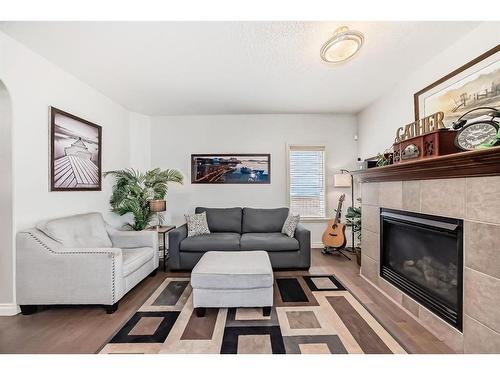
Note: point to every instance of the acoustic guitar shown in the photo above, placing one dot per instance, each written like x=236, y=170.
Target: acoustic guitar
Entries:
x=334, y=235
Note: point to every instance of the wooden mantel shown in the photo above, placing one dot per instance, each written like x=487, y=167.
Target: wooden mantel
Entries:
x=463, y=164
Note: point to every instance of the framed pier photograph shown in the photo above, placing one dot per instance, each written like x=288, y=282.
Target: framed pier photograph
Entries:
x=475, y=84
x=230, y=168
x=75, y=153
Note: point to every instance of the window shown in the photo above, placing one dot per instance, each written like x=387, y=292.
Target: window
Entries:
x=306, y=171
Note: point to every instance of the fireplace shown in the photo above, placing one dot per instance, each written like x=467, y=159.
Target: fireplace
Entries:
x=422, y=255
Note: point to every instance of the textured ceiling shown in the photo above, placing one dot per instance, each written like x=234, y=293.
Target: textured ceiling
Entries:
x=183, y=68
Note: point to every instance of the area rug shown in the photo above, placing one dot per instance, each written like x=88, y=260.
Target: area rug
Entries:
x=311, y=315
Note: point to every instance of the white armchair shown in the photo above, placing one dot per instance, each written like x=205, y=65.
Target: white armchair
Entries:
x=81, y=260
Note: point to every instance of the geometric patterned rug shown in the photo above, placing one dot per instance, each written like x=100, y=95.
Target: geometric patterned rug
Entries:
x=311, y=315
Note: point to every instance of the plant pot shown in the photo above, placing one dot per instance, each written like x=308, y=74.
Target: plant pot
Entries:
x=358, y=255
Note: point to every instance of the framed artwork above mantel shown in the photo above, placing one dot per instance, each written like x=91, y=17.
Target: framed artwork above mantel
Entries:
x=475, y=84
x=75, y=153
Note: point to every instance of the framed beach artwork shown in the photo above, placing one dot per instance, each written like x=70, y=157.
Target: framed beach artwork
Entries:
x=475, y=84
x=75, y=153
x=231, y=168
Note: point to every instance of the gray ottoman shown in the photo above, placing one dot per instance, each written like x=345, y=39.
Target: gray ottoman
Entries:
x=233, y=279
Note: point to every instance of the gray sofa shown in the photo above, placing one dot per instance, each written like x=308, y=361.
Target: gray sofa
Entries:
x=242, y=229
x=78, y=260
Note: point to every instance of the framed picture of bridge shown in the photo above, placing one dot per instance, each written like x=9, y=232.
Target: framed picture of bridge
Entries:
x=475, y=84
x=231, y=168
x=75, y=153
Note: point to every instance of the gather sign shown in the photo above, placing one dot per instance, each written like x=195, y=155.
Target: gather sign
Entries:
x=423, y=126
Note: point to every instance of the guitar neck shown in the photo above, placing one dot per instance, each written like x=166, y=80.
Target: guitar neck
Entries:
x=337, y=216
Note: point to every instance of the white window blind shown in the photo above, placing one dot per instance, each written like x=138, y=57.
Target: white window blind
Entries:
x=307, y=180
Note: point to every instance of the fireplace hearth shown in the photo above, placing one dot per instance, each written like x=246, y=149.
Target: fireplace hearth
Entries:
x=422, y=255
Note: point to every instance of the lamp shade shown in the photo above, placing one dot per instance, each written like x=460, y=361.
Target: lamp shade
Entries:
x=342, y=180
x=157, y=205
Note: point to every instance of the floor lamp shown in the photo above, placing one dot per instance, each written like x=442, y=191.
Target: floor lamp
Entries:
x=344, y=179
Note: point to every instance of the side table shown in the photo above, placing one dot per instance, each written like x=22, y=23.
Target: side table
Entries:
x=163, y=230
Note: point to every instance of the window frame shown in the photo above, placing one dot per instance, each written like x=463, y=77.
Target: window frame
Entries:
x=308, y=147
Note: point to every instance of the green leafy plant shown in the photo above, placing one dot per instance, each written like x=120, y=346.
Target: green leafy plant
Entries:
x=493, y=143
x=382, y=161
x=133, y=190
x=353, y=219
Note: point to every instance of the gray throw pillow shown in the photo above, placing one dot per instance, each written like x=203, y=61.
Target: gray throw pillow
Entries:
x=290, y=225
x=197, y=224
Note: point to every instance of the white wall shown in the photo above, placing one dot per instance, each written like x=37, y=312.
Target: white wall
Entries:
x=6, y=224
x=175, y=138
x=140, y=141
x=377, y=124
x=35, y=84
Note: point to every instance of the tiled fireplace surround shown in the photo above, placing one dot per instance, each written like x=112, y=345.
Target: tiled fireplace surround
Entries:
x=476, y=200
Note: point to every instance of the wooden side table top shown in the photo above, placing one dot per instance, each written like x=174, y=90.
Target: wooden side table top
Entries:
x=162, y=228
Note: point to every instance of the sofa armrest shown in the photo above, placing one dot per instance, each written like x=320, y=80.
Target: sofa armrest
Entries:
x=303, y=235
x=48, y=273
x=175, y=237
x=127, y=239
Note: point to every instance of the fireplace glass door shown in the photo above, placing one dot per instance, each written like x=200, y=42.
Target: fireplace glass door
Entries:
x=422, y=256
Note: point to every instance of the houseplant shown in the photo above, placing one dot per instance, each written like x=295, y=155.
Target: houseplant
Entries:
x=382, y=160
x=133, y=190
x=353, y=218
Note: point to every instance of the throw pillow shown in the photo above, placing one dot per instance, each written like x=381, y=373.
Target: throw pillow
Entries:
x=290, y=225
x=197, y=224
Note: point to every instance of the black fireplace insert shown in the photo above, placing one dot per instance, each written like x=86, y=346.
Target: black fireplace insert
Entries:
x=422, y=255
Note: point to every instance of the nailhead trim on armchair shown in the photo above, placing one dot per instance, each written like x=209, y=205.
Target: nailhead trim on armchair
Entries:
x=84, y=252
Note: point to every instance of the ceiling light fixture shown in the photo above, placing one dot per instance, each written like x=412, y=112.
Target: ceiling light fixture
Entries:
x=343, y=45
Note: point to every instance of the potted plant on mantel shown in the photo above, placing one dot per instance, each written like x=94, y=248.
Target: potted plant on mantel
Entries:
x=353, y=218
x=133, y=190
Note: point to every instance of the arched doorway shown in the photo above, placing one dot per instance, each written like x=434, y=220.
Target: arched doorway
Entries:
x=6, y=195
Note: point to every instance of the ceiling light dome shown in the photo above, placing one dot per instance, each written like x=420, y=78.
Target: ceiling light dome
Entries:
x=342, y=45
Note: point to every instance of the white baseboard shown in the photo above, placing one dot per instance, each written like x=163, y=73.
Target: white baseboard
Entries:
x=317, y=245
x=9, y=309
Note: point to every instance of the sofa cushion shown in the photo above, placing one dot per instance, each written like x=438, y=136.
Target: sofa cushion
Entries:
x=212, y=242
x=233, y=270
x=268, y=242
x=222, y=219
x=134, y=258
x=85, y=230
x=197, y=224
x=263, y=220
x=291, y=223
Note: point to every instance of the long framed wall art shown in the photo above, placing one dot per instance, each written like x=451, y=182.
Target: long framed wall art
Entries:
x=231, y=168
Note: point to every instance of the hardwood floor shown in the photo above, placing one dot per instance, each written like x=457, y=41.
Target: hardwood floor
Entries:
x=84, y=329
x=404, y=328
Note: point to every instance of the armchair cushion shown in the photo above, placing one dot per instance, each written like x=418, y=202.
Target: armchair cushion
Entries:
x=133, y=259
x=132, y=239
x=85, y=230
